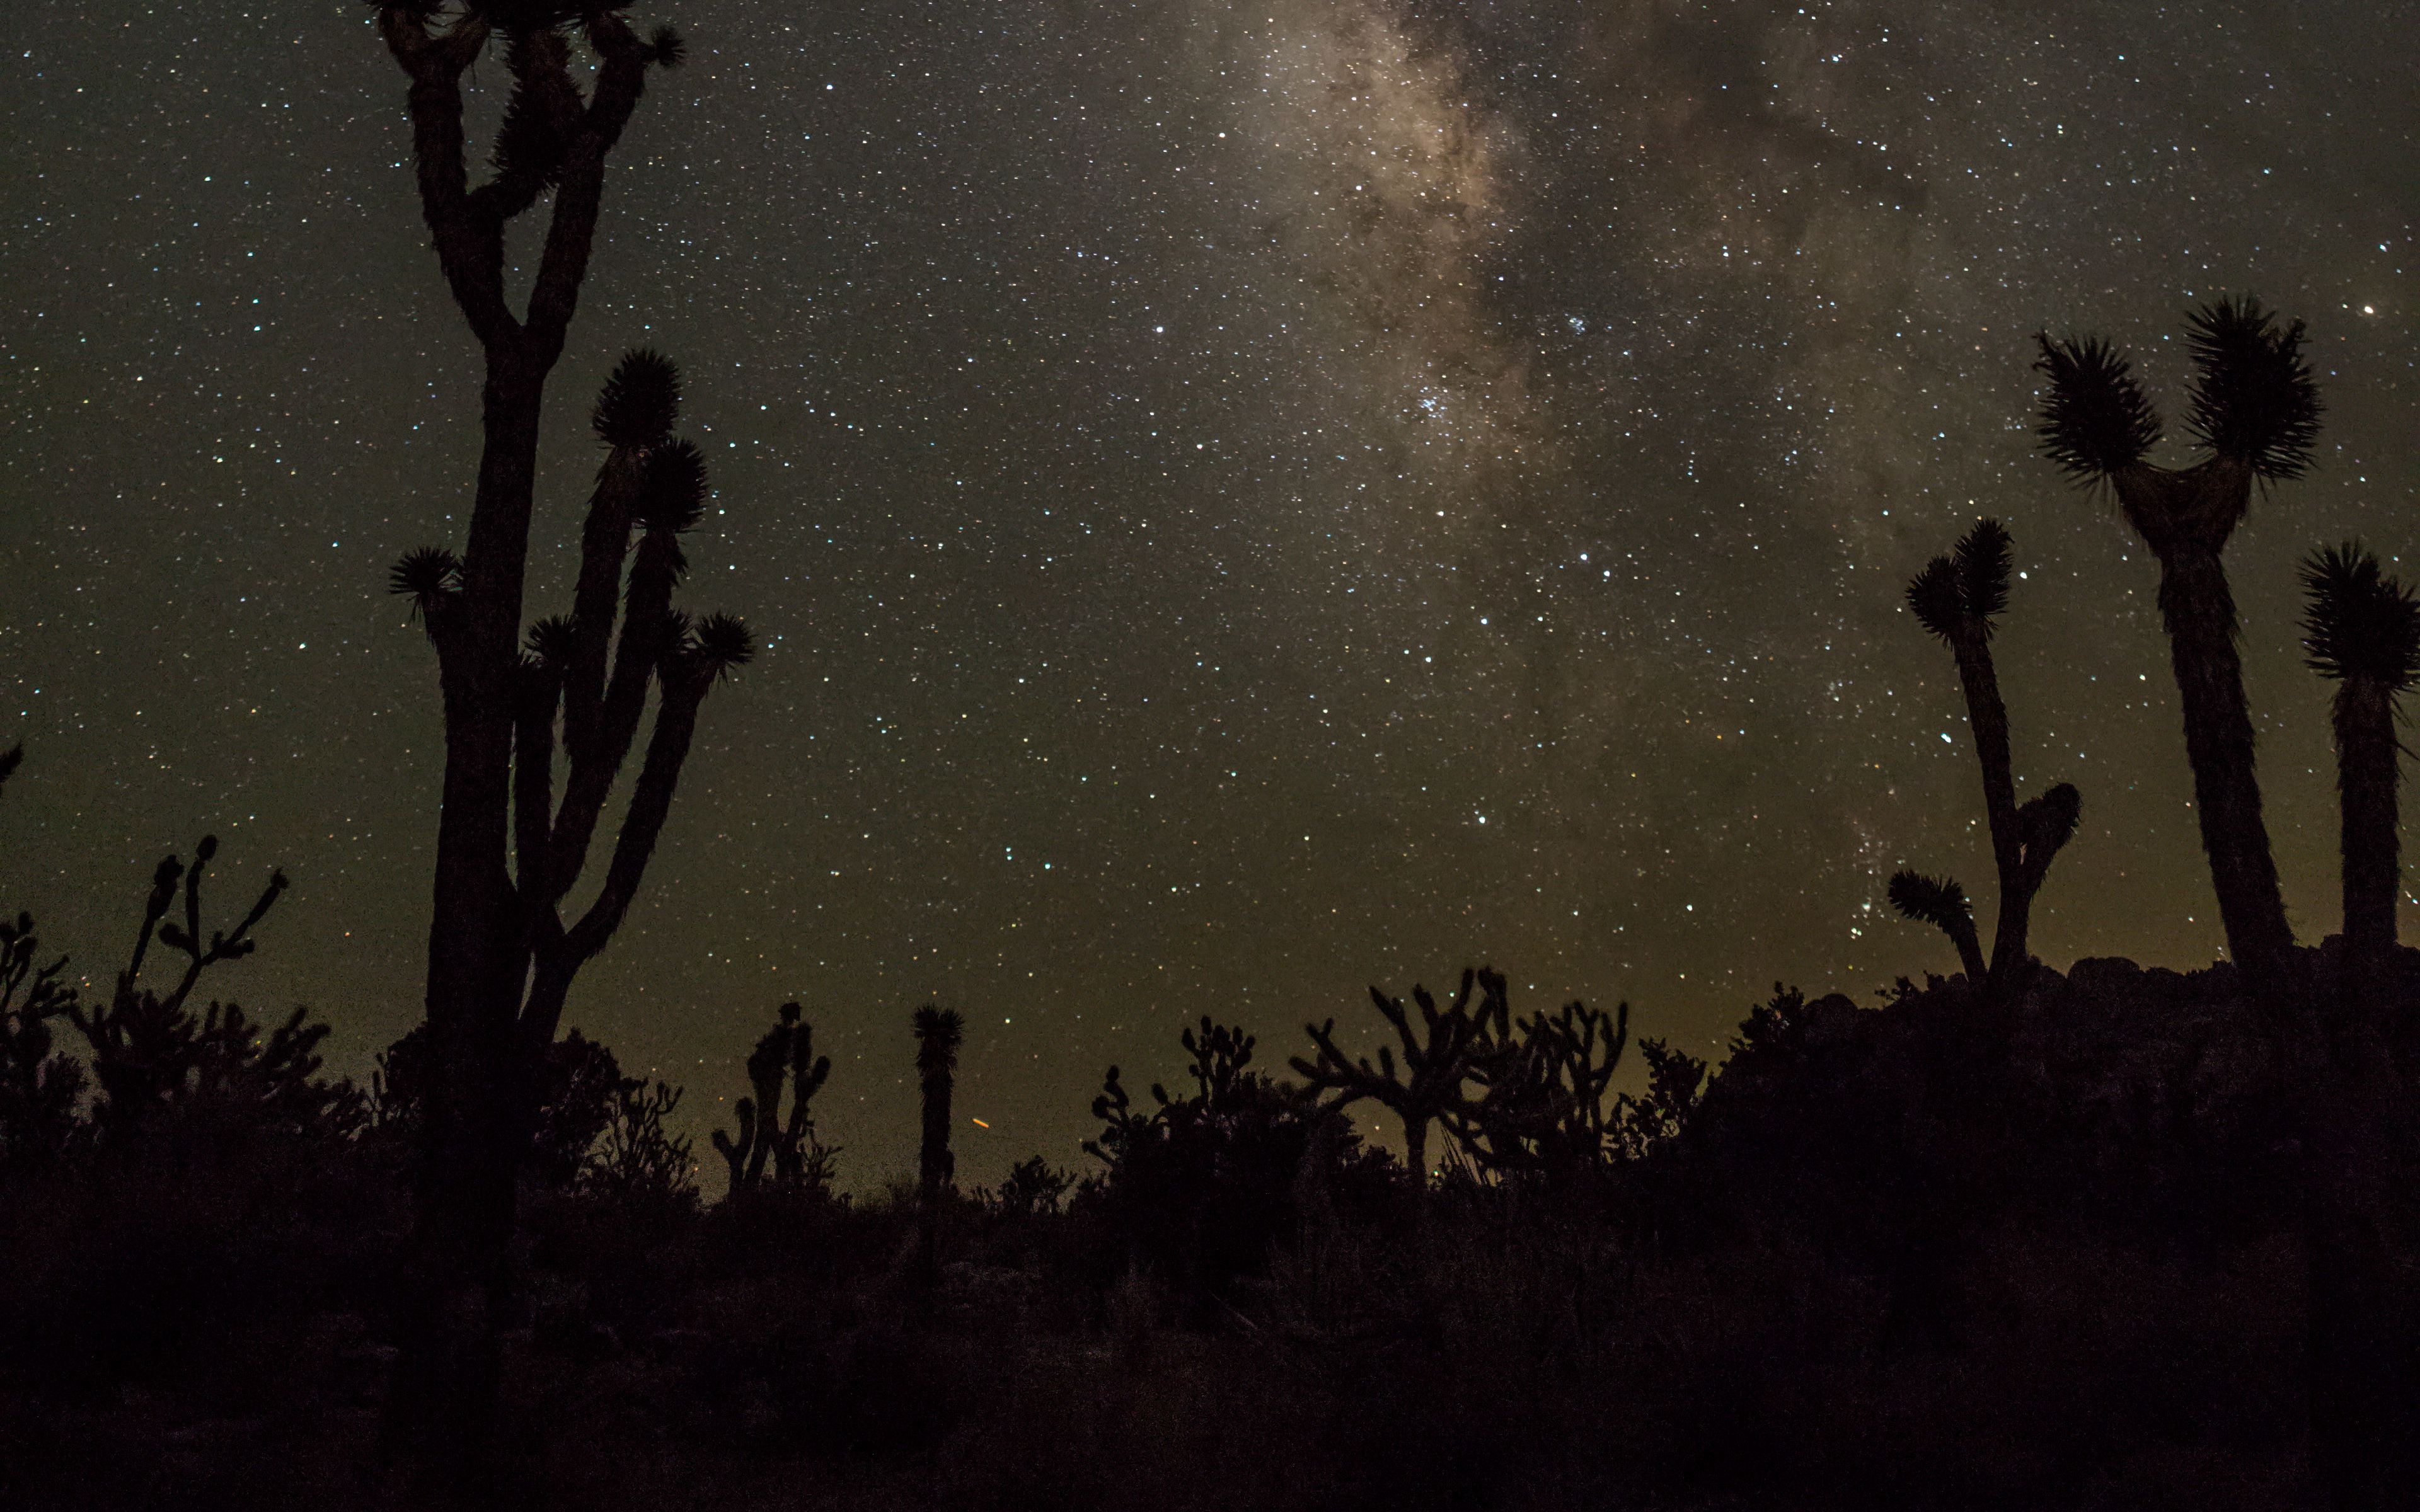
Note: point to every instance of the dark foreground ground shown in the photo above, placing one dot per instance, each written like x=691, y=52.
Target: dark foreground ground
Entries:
x=1910, y=1256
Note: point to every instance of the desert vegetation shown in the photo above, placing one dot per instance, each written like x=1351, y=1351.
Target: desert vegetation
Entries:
x=2004, y=1237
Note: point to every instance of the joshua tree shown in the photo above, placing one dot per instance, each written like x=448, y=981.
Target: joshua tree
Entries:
x=1437, y=1061
x=500, y=957
x=940, y=1031
x=1959, y=597
x=2362, y=633
x=2256, y=412
x=787, y=1051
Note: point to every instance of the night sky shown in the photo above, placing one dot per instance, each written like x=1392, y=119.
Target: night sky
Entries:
x=1241, y=501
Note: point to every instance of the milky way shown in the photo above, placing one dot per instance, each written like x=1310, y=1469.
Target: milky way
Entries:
x=1242, y=502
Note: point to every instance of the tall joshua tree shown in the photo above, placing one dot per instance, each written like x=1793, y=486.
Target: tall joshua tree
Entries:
x=2255, y=411
x=1439, y=1058
x=1959, y=597
x=502, y=955
x=2362, y=631
x=940, y=1031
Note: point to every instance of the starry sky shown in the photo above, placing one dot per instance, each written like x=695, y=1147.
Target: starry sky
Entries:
x=1241, y=501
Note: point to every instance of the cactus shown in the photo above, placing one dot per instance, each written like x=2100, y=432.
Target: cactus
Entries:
x=153, y=1055
x=786, y=1052
x=1438, y=1057
x=39, y=1090
x=1542, y=1108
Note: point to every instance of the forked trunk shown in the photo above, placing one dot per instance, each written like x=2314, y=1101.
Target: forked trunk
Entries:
x=1987, y=715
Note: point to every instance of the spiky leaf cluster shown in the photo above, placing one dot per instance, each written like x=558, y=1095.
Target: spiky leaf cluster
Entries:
x=2095, y=420
x=721, y=643
x=939, y=1032
x=1965, y=592
x=2254, y=400
x=426, y=575
x=639, y=402
x=1939, y=901
x=672, y=492
x=2359, y=624
x=553, y=641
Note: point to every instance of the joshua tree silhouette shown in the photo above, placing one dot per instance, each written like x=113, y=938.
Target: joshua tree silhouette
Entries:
x=501, y=957
x=2255, y=411
x=787, y=1051
x=1959, y=597
x=1438, y=1057
x=2362, y=631
x=940, y=1031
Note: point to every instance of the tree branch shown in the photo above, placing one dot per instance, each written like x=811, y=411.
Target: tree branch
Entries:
x=684, y=690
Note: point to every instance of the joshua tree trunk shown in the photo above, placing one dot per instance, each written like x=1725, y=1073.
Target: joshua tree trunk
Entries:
x=2186, y=517
x=1987, y=716
x=2367, y=758
x=501, y=956
x=938, y=1034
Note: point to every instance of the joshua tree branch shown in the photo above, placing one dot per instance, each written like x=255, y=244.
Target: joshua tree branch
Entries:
x=534, y=779
x=646, y=630
x=473, y=262
x=604, y=546
x=651, y=801
x=555, y=296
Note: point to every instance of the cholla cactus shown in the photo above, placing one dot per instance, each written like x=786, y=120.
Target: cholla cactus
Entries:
x=1542, y=1110
x=39, y=1090
x=1438, y=1059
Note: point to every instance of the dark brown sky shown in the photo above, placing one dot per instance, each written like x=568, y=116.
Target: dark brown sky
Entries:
x=1243, y=501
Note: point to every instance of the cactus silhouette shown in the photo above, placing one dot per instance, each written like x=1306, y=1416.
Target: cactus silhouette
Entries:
x=1438, y=1056
x=939, y=1032
x=501, y=955
x=1959, y=597
x=39, y=1088
x=1941, y=902
x=2255, y=409
x=786, y=1053
x=1542, y=1108
x=2362, y=631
